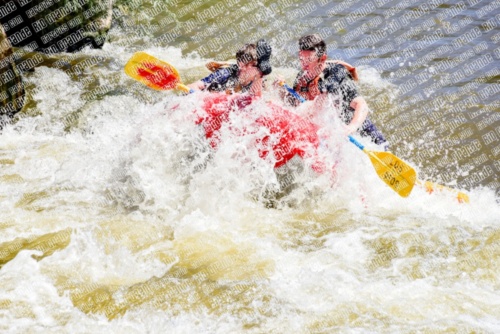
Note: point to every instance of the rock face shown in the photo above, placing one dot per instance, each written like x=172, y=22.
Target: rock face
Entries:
x=48, y=26
x=11, y=84
x=52, y=26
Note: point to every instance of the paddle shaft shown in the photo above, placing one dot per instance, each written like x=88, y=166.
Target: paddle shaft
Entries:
x=293, y=92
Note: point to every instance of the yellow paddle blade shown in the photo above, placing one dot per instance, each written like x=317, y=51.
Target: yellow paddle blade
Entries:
x=431, y=187
x=396, y=173
x=153, y=72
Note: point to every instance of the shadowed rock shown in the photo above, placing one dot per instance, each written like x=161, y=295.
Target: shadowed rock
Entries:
x=52, y=26
x=11, y=84
x=47, y=26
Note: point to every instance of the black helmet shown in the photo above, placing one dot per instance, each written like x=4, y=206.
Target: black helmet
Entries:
x=263, y=54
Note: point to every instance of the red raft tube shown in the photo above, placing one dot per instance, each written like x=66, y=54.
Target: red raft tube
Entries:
x=288, y=134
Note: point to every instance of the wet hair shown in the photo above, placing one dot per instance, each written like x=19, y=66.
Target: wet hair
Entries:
x=259, y=53
x=264, y=51
x=313, y=43
x=247, y=54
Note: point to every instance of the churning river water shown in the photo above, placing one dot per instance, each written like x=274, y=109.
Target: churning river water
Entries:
x=116, y=216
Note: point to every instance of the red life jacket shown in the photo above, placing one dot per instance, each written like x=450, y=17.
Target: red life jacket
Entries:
x=308, y=89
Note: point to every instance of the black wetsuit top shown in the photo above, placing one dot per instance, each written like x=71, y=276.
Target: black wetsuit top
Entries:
x=224, y=79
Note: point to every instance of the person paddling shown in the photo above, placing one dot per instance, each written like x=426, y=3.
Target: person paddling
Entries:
x=244, y=76
x=320, y=79
x=288, y=134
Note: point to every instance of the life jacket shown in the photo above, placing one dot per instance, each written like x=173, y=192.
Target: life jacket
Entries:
x=310, y=89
